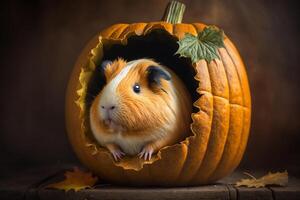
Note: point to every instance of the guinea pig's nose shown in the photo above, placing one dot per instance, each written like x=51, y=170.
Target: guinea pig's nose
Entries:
x=111, y=107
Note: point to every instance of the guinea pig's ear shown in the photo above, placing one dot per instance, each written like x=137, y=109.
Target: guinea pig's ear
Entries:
x=105, y=64
x=105, y=68
x=111, y=68
x=155, y=74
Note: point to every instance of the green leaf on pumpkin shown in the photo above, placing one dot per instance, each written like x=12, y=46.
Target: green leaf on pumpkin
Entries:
x=202, y=46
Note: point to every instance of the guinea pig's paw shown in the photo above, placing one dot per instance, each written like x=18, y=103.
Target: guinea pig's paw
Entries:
x=115, y=151
x=118, y=154
x=146, y=152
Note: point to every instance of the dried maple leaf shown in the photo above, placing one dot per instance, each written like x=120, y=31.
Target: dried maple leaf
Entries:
x=75, y=180
x=279, y=178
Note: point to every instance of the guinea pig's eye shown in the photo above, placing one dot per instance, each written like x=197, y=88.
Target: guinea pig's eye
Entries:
x=136, y=88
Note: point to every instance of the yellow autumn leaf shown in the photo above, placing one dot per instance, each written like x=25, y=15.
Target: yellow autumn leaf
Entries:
x=75, y=180
x=279, y=178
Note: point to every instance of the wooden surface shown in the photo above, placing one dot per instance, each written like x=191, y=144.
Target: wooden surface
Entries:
x=31, y=185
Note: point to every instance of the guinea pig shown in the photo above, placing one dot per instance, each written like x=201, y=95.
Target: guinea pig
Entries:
x=142, y=108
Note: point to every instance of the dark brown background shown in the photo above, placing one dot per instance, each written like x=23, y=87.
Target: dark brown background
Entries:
x=40, y=41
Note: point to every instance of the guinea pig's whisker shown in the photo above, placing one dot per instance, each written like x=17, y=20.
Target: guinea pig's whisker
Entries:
x=164, y=90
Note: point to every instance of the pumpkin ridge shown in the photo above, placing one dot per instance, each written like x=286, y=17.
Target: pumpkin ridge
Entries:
x=232, y=74
x=196, y=134
x=227, y=150
x=242, y=146
x=228, y=44
x=199, y=26
x=167, y=27
x=197, y=171
x=186, y=173
x=124, y=30
x=235, y=66
x=179, y=30
x=229, y=118
x=151, y=26
x=185, y=144
x=116, y=34
x=195, y=27
x=200, y=91
x=225, y=99
x=238, y=74
x=129, y=32
x=182, y=174
x=207, y=160
x=216, y=143
x=245, y=136
x=235, y=162
x=229, y=155
x=172, y=30
x=200, y=108
x=240, y=151
x=134, y=29
x=205, y=91
x=217, y=162
x=146, y=28
x=218, y=82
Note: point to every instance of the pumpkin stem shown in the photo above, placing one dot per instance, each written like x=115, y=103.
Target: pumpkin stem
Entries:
x=174, y=12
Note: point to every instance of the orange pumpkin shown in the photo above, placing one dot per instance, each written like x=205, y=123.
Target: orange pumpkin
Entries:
x=220, y=120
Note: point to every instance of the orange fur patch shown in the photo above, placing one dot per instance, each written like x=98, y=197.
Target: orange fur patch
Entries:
x=147, y=108
x=114, y=68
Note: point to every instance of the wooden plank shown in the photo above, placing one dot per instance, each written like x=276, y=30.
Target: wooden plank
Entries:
x=31, y=185
x=212, y=192
x=232, y=191
x=291, y=192
x=244, y=193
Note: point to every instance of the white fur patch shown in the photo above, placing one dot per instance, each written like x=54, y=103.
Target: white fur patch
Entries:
x=131, y=145
x=109, y=96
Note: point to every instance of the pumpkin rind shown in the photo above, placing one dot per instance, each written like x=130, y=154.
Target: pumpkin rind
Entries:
x=220, y=127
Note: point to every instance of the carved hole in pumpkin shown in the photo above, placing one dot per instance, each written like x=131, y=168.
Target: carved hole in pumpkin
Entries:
x=158, y=45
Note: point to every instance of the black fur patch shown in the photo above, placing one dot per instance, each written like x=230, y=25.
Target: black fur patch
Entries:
x=155, y=74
